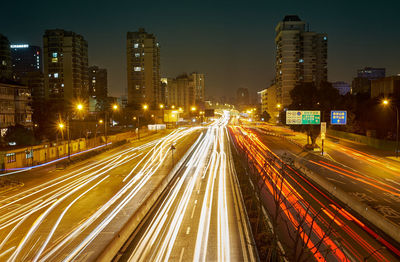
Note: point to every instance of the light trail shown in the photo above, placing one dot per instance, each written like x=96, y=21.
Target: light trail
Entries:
x=207, y=164
x=338, y=219
x=45, y=200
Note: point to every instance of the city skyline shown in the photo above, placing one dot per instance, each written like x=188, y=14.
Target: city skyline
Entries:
x=184, y=47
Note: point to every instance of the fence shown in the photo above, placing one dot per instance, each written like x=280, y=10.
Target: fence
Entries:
x=35, y=155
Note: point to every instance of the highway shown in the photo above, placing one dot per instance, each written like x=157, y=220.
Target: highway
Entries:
x=62, y=215
x=321, y=224
x=200, y=217
x=363, y=172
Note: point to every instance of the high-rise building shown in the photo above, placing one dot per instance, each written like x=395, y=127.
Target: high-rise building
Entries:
x=386, y=86
x=199, y=88
x=25, y=59
x=65, y=59
x=5, y=58
x=143, y=69
x=98, y=82
x=181, y=92
x=362, y=83
x=342, y=87
x=301, y=56
x=242, y=97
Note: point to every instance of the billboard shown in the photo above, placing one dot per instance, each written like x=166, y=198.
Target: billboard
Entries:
x=338, y=117
x=301, y=117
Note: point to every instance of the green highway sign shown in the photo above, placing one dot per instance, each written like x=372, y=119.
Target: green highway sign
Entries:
x=300, y=117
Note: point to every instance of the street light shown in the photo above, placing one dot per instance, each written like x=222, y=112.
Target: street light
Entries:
x=386, y=102
x=101, y=121
x=79, y=107
x=161, y=106
x=145, y=106
x=278, y=106
x=193, y=108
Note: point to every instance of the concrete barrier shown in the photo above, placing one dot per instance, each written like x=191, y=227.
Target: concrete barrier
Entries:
x=372, y=216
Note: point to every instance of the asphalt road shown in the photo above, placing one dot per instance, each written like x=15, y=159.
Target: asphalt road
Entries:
x=361, y=171
x=63, y=214
x=198, y=218
x=322, y=219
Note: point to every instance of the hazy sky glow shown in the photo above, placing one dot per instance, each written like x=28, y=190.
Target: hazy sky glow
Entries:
x=231, y=42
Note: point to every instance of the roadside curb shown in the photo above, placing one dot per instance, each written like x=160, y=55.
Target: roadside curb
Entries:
x=365, y=211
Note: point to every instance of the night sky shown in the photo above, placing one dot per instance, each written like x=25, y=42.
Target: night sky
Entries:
x=232, y=42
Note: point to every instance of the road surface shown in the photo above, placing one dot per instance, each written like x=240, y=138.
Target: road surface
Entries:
x=326, y=228
x=63, y=215
x=199, y=219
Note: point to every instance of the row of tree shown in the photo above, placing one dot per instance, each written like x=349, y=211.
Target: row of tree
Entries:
x=363, y=113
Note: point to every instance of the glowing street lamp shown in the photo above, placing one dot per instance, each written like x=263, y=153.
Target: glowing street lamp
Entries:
x=193, y=108
x=101, y=121
x=161, y=106
x=173, y=107
x=386, y=102
x=61, y=126
x=115, y=107
x=278, y=106
x=79, y=107
x=145, y=106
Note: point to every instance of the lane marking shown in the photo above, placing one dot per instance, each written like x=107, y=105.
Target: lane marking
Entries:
x=181, y=256
x=188, y=231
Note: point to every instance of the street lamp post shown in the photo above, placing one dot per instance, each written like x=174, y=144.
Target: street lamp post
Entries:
x=387, y=102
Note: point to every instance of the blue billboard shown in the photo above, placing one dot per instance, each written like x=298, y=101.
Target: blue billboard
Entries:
x=338, y=117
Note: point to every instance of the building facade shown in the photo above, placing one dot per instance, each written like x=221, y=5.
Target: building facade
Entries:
x=301, y=56
x=25, y=59
x=143, y=69
x=199, y=88
x=242, y=98
x=98, y=83
x=5, y=59
x=342, y=87
x=180, y=92
x=362, y=83
x=386, y=87
x=65, y=60
x=15, y=106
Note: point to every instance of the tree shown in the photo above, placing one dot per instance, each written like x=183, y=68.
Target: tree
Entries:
x=265, y=116
x=20, y=135
x=306, y=96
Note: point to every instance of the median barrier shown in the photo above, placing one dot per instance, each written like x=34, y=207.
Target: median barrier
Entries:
x=121, y=237
x=365, y=211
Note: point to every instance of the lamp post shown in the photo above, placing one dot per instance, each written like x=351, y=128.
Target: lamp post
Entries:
x=386, y=102
x=78, y=107
x=137, y=118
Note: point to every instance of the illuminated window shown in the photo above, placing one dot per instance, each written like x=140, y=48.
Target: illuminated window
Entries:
x=62, y=85
x=55, y=54
x=137, y=68
x=136, y=45
x=301, y=60
x=55, y=75
x=54, y=60
x=93, y=81
x=137, y=54
x=3, y=62
x=325, y=38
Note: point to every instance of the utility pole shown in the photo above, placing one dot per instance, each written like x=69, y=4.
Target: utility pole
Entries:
x=172, y=154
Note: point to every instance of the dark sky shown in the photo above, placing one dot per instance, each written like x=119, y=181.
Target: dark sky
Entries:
x=232, y=42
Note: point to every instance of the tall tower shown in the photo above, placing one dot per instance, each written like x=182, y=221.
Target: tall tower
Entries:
x=5, y=58
x=65, y=59
x=25, y=59
x=199, y=88
x=143, y=69
x=301, y=56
